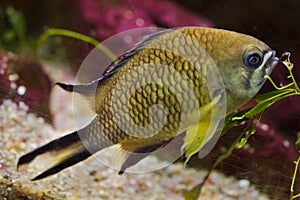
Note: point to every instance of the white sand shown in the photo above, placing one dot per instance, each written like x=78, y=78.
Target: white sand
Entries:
x=21, y=132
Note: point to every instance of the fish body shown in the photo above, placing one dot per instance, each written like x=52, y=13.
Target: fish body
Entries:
x=166, y=85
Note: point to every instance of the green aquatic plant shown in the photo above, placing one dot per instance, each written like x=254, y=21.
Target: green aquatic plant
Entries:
x=292, y=196
x=74, y=35
x=13, y=31
x=263, y=101
x=14, y=37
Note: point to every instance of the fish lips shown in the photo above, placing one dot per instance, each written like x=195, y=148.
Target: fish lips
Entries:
x=271, y=62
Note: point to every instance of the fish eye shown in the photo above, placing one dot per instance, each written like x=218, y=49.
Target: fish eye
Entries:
x=253, y=60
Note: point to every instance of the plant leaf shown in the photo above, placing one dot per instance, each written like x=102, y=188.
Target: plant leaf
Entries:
x=298, y=139
x=269, y=95
x=194, y=193
x=264, y=104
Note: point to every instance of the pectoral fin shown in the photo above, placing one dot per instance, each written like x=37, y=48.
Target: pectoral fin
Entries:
x=199, y=134
x=195, y=138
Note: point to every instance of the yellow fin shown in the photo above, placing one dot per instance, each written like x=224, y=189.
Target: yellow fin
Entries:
x=199, y=134
x=56, y=155
x=51, y=159
x=195, y=138
x=119, y=157
x=64, y=154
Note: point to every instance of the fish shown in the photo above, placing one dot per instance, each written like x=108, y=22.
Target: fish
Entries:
x=165, y=86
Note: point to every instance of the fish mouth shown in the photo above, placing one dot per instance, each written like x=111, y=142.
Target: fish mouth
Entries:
x=270, y=61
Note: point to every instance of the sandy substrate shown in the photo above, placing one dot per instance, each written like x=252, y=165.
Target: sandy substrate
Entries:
x=21, y=132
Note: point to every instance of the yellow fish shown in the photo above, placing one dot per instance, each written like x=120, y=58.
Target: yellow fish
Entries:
x=167, y=85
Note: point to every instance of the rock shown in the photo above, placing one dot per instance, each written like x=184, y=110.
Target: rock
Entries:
x=23, y=80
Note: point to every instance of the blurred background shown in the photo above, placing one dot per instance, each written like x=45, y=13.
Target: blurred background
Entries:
x=269, y=163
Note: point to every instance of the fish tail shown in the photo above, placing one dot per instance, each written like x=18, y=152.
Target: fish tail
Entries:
x=60, y=153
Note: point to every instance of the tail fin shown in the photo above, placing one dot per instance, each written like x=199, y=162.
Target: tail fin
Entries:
x=60, y=154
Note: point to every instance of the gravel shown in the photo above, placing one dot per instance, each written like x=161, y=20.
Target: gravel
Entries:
x=22, y=131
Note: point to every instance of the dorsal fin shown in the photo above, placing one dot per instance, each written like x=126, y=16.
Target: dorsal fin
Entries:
x=122, y=60
x=84, y=89
x=90, y=88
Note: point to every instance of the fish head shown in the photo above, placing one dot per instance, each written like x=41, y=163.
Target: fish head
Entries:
x=244, y=62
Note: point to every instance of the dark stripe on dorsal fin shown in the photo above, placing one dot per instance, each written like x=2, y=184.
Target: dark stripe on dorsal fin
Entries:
x=122, y=60
x=89, y=89
x=84, y=89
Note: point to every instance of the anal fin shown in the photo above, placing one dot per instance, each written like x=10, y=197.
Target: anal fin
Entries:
x=136, y=156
